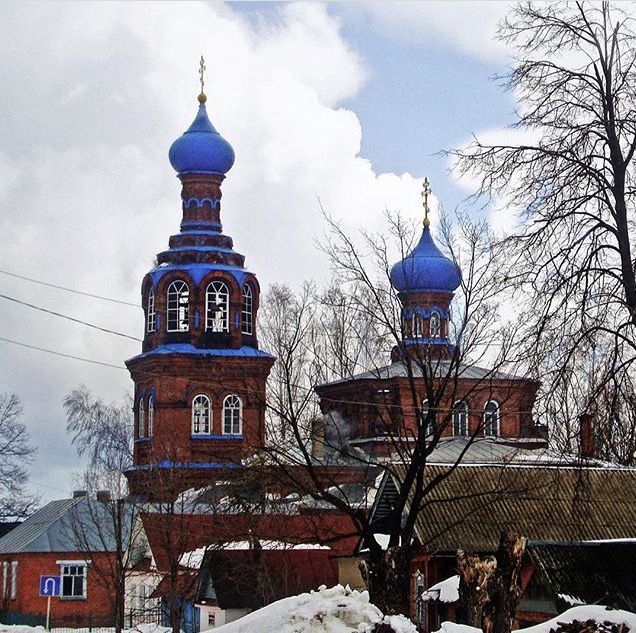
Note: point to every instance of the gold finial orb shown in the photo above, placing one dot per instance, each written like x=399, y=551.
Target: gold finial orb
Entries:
x=202, y=98
x=426, y=191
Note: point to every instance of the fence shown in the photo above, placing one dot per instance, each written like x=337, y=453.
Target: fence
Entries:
x=87, y=623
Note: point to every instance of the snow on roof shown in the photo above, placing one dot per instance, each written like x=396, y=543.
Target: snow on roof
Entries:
x=444, y=591
x=334, y=610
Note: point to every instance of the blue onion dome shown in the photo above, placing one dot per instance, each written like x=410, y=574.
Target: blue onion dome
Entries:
x=201, y=149
x=426, y=268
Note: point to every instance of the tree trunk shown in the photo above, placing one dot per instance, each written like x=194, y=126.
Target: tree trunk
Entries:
x=505, y=583
x=474, y=577
x=387, y=575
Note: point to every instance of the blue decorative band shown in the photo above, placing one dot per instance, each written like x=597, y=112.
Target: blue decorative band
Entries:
x=199, y=202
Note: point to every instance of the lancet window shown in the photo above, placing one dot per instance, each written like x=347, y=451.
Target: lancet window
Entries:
x=151, y=415
x=434, y=324
x=217, y=307
x=201, y=415
x=141, y=421
x=232, y=415
x=247, y=310
x=151, y=315
x=491, y=419
x=460, y=418
x=178, y=307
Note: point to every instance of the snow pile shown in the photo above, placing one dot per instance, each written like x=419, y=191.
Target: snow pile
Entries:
x=444, y=591
x=140, y=628
x=586, y=612
x=581, y=614
x=334, y=610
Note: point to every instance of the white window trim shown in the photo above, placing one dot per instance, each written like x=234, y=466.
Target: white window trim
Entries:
x=5, y=579
x=438, y=316
x=76, y=563
x=497, y=413
x=14, y=579
x=209, y=401
x=182, y=326
x=151, y=319
x=463, y=411
x=239, y=408
x=150, y=427
x=247, y=310
x=212, y=324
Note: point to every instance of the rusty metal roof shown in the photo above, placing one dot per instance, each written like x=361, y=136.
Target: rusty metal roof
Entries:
x=471, y=506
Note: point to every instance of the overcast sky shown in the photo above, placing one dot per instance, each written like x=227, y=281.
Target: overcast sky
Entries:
x=346, y=103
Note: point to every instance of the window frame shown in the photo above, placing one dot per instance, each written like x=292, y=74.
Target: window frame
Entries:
x=151, y=416
x=417, y=325
x=487, y=418
x=222, y=290
x=234, y=410
x=141, y=419
x=151, y=313
x=196, y=415
x=83, y=564
x=247, y=310
x=178, y=310
x=460, y=408
x=437, y=332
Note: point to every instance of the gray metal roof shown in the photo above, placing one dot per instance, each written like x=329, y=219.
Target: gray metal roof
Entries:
x=399, y=369
x=65, y=525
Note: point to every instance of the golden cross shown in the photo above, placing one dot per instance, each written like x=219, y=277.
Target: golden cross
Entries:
x=202, y=97
x=426, y=190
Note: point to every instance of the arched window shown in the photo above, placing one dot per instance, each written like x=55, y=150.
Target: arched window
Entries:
x=434, y=324
x=430, y=423
x=460, y=418
x=141, y=426
x=247, y=307
x=201, y=415
x=178, y=307
x=151, y=316
x=217, y=307
x=232, y=415
x=151, y=415
x=491, y=419
x=416, y=326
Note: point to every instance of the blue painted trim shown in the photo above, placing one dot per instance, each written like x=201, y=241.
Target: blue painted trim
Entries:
x=426, y=312
x=196, y=318
x=200, y=232
x=166, y=463
x=198, y=271
x=215, y=204
x=158, y=315
x=422, y=340
x=141, y=440
x=215, y=249
x=188, y=348
x=216, y=437
x=216, y=225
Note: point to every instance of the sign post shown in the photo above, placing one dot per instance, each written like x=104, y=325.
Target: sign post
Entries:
x=49, y=586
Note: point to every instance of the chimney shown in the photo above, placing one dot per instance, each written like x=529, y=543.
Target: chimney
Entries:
x=103, y=496
x=586, y=435
x=79, y=493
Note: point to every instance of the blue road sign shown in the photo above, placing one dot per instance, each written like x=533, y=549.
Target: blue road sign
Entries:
x=50, y=585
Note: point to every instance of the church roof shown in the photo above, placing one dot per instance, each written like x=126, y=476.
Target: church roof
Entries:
x=441, y=367
x=201, y=149
x=426, y=268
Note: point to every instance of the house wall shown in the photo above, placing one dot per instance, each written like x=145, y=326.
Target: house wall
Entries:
x=96, y=607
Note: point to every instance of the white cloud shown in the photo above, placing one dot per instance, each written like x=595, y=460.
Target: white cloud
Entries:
x=98, y=92
x=467, y=25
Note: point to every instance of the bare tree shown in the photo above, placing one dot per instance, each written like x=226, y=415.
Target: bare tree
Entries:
x=350, y=330
x=16, y=452
x=570, y=260
x=105, y=523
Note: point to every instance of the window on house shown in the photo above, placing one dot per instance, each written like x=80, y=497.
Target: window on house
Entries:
x=217, y=307
x=151, y=415
x=247, y=318
x=151, y=316
x=434, y=324
x=73, y=580
x=178, y=306
x=460, y=418
x=142, y=419
x=232, y=415
x=429, y=421
x=201, y=415
x=491, y=419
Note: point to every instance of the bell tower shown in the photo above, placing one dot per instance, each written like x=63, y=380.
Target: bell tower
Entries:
x=199, y=396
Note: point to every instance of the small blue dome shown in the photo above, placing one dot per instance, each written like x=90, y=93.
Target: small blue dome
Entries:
x=426, y=268
x=201, y=149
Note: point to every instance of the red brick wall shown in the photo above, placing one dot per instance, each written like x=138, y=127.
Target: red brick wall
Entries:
x=63, y=610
